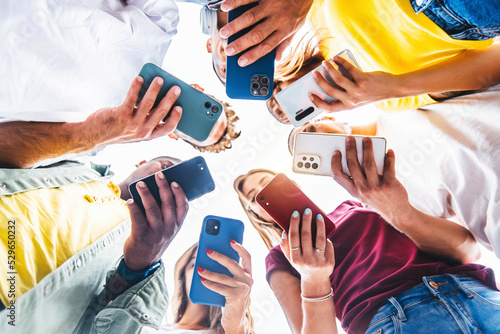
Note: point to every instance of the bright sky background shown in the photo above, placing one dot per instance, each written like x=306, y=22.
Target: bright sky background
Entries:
x=263, y=144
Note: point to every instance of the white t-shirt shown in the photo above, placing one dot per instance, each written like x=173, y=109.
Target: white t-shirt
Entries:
x=448, y=158
x=166, y=329
x=63, y=60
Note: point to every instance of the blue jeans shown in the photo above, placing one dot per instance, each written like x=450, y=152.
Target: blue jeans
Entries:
x=463, y=19
x=442, y=304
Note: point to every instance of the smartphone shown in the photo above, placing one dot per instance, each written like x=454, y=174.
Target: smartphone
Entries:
x=294, y=99
x=281, y=197
x=312, y=152
x=199, y=111
x=252, y=82
x=192, y=175
x=216, y=234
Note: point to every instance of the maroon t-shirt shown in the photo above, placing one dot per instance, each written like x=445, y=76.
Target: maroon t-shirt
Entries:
x=373, y=261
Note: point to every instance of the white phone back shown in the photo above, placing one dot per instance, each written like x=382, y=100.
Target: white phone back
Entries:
x=294, y=99
x=318, y=148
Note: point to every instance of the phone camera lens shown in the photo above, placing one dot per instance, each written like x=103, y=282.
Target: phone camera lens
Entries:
x=255, y=86
x=255, y=78
x=308, y=165
x=304, y=158
x=311, y=158
x=215, y=109
x=264, y=81
x=315, y=166
x=208, y=105
x=212, y=227
x=264, y=91
x=261, y=198
x=300, y=164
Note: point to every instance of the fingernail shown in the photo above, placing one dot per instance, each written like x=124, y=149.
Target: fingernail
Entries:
x=319, y=217
x=242, y=62
x=203, y=279
x=177, y=91
x=336, y=153
x=141, y=185
x=174, y=184
x=159, y=81
x=283, y=235
x=224, y=6
x=224, y=32
x=350, y=139
x=130, y=201
x=140, y=79
x=307, y=211
x=229, y=51
x=295, y=214
x=315, y=74
x=210, y=252
x=232, y=241
x=178, y=109
x=161, y=175
x=201, y=270
x=311, y=97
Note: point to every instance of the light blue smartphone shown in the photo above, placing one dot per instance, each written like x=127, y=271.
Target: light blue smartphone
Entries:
x=252, y=82
x=199, y=111
x=216, y=234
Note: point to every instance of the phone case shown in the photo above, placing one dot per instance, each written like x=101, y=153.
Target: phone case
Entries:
x=248, y=82
x=228, y=229
x=312, y=152
x=199, y=111
x=192, y=175
x=281, y=197
x=294, y=99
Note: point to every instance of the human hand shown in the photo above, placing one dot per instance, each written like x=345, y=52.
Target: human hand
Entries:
x=364, y=87
x=128, y=123
x=277, y=23
x=384, y=192
x=151, y=234
x=313, y=259
x=236, y=289
x=145, y=169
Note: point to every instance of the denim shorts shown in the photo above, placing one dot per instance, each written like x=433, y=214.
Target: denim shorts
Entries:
x=463, y=19
x=442, y=304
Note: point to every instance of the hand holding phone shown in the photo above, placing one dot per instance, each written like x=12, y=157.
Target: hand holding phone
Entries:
x=216, y=255
x=281, y=197
x=193, y=176
x=312, y=152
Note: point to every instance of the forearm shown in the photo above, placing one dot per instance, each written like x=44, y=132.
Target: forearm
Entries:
x=319, y=317
x=470, y=70
x=22, y=144
x=437, y=236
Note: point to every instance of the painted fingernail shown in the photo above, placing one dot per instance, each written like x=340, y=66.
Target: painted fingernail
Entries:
x=203, y=279
x=140, y=79
x=161, y=175
x=174, y=184
x=283, y=235
x=159, y=81
x=242, y=62
x=229, y=51
x=177, y=91
x=224, y=32
x=130, y=201
x=232, y=241
x=319, y=217
x=201, y=270
x=141, y=185
x=295, y=214
x=210, y=252
x=307, y=211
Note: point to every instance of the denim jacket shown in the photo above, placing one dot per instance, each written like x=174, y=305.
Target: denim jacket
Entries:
x=72, y=299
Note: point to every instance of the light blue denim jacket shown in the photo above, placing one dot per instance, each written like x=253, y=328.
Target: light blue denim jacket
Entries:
x=72, y=299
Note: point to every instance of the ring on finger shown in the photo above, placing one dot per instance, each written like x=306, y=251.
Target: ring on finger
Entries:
x=319, y=250
x=295, y=248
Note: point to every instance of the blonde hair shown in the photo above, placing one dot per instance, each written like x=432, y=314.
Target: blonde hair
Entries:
x=270, y=232
x=180, y=298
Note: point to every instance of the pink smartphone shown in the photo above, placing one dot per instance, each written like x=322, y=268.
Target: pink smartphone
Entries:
x=281, y=197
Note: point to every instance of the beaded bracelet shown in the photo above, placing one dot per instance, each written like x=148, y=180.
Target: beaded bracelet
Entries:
x=319, y=299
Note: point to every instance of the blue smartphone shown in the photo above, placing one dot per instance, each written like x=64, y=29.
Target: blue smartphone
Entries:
x=192, y=175
x=252, y=82
x=216, y=234
x=199, y=111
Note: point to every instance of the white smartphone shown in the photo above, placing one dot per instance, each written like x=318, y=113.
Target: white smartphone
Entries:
x=294, y=99
x=312, y=152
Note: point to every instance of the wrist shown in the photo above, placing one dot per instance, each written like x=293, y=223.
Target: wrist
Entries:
x=400, y=216
x=316, y=288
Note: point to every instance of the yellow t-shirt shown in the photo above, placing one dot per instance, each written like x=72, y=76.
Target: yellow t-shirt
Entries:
x=387, y=35
x=50, y=226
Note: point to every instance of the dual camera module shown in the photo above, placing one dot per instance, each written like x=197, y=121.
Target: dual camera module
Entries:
x=260, y=85
x=307, y=163
x=211, y=109
x=213, y=227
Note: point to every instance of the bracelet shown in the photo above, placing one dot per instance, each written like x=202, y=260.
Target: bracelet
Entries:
x=319, y=299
